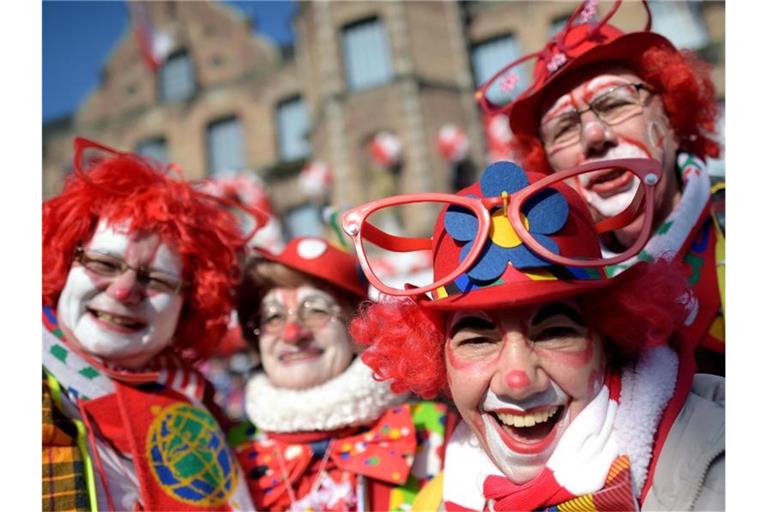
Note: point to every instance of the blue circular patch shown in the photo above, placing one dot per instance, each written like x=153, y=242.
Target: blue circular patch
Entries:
x=189, y=457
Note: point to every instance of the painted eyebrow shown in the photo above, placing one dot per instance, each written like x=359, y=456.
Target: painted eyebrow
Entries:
x=472, y=322
x=558, y=308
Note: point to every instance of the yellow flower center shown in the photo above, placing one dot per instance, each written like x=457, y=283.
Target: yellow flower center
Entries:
x=502, y=233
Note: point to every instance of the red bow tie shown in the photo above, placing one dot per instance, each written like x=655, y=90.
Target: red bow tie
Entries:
x=385, y=452
x=544, y=491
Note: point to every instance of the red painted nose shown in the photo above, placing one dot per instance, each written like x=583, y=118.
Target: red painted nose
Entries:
x=293, y=332
x=517, y=379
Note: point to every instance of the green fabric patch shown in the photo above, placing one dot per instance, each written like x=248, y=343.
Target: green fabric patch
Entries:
x=664, y=227
x=59, y=353
x=89, y=372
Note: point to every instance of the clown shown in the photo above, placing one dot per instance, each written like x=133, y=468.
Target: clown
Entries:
x=572, y=386
x=138, y=270
x=324, y=435
x=598, y=93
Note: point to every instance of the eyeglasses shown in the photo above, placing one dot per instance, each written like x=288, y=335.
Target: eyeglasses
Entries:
x=313, y=313
x=612, y=107
x=109, y=266
x=497, y=94
x=508, y=220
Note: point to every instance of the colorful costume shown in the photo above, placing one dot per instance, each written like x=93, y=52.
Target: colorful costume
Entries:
x=138, y=269
x=136, y=444
x=347, y=444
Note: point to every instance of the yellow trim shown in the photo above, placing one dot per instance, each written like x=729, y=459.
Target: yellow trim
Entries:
x=82, y=442
x=430, y=496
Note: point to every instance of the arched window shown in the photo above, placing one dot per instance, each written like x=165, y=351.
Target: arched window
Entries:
x=366, y=54
x=226, y=151
x=153, y=147
x=292, y=129
x=176, y=79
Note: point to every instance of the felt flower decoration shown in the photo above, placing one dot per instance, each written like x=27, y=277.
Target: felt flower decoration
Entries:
x=543, y=214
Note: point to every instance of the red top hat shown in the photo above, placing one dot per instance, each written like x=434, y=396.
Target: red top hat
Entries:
x=576, y=47
x=317, y=258
x=507, y=273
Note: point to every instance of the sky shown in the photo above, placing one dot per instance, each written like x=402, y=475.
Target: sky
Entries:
x=78, y=37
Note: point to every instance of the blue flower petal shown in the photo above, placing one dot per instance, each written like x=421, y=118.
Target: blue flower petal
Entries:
x=547, y=211
x=460, y=223
x=522, y=258
x=502, y=176
x=490, y=264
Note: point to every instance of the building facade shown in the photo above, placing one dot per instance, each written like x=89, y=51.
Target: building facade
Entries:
x=227, y=100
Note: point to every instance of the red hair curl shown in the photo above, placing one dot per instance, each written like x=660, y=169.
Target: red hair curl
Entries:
x=127, y=190
x=406, y=341
x=683, y=82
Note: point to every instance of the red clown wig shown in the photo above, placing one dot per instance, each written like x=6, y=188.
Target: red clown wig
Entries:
x=129, y=191
x=406, y=341
x=683, y=82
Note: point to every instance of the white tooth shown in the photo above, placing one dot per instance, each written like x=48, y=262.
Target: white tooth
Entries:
x=541, y=417
x=529, y=420
x=519, y=421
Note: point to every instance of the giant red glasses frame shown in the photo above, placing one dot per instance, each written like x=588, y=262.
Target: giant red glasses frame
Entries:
x=356, y=224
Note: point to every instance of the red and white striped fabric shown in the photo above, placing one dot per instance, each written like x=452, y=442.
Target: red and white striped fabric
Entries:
x=154, y=44
x=386, y=149
x=315, y=179
x=452, y=143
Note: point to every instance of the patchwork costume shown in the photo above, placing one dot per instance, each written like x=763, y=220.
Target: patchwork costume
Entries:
x=113, y=440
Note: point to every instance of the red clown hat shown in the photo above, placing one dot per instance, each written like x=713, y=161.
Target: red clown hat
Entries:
x=576, y=47
x=508, y=273
x=317, y=258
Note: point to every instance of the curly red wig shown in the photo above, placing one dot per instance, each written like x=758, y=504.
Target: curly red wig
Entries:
x=683, y=82
x=127, y=189
x=406, y=342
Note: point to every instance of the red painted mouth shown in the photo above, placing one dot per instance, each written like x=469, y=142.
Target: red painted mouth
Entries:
x=527, y=439
x=610, y=182
x=118, y=323
x=300, y=356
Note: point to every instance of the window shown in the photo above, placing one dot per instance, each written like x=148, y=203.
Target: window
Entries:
x=292, y=129
x=225, y=146
x=177, y=78
x=366, y=54
x=155, y=148
x=304, y=220
x=680, y=22
x=490, y=56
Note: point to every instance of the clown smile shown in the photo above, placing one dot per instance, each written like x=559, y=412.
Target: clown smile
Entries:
x=115, y=322
x=300, y=356
x=529, y=431
x=610, y=182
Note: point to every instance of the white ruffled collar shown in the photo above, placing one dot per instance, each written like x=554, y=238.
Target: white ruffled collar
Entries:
x=350, y=399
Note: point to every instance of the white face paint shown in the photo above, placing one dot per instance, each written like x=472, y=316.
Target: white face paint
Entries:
x=522, y=467
x=117, y=318
x=613, y=197
x=300, y=357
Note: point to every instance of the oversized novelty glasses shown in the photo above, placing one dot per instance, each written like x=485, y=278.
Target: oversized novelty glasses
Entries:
x=312, y=313
x=109, y=266
x=89, y=153
x=497, y=94
x=519, y=221
x=612, y=107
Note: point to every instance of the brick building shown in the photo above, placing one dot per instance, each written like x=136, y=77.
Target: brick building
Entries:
x=226, y=99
